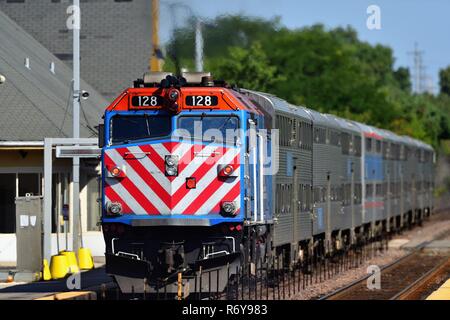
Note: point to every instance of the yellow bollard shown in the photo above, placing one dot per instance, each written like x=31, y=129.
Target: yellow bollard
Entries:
x=46, y=275
x=85, y=259
x=59, y=266
x=72, y=259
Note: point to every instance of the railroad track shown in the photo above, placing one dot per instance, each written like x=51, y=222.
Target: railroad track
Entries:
x=397, y=281
x=420, y=289
x=408, y=278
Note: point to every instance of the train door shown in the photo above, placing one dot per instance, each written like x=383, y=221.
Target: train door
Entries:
x=253, y=171
x=258, y=182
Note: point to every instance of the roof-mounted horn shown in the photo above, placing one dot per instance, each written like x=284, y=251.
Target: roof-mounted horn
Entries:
x=199, y=78
x=155, y=77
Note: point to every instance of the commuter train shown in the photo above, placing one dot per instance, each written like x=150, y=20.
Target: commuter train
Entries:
x=198, y=175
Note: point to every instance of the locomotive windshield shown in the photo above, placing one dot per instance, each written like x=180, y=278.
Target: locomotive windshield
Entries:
x=210, y=128
x=129, y=128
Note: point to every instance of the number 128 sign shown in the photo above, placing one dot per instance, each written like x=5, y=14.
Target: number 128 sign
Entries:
x=147, y=101
x=202, y=101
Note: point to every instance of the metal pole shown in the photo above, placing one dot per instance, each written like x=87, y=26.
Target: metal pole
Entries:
x=155, y=64
x=198, y=46
x=76, y=124
x=57, y=213
x=47, y=249
x=66, y=235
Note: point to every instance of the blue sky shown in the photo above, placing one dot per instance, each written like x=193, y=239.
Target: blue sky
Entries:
x=403, y=22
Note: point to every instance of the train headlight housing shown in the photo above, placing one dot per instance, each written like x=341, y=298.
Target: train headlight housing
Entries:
x=115, y=172
x=172, y=97
x=174, y=94
x=229, y=208
x=171, y=165
x=114, y=208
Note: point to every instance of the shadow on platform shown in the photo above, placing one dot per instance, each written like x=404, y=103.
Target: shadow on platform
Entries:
x=91, y=278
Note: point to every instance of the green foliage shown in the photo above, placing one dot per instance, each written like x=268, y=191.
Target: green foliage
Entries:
x=328, y=70
x=444, y=81
x=403, y=78
x=223, y=32
x=248, y=68
x=445, y=147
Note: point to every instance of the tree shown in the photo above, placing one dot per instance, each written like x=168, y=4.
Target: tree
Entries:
x=403, y=78
x=444, y=81
x=248, y=68
x=218, y=34
x=329, y=70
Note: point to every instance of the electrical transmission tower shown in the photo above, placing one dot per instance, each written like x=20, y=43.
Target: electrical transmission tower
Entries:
x=419, y=75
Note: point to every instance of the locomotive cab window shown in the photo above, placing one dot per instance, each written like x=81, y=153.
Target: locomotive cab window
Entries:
x=126, y=128
x=209, y=128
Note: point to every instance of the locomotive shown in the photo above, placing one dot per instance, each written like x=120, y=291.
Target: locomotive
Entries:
x=198, y=175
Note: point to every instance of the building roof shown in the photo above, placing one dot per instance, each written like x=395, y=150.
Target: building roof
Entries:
x=34, y=102
x=115, y=37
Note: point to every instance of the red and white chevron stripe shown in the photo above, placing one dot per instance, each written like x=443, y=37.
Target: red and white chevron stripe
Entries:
x=146, y=190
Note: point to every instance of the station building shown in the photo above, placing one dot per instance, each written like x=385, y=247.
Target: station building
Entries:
x=115, y=36
x=35, y=103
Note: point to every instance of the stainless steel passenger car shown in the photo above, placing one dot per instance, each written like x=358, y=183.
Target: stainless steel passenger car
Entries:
x=341, y=182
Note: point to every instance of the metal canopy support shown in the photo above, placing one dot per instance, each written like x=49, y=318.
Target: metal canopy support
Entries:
x=76, y=126
x=48, y=171
x=47, y=198
x=76, y=204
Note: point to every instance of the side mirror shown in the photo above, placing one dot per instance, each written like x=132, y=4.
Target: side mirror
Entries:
x=101, y=135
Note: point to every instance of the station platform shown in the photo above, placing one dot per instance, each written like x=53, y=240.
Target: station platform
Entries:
x=443, y=293
x=441, y=245
x=91, y=280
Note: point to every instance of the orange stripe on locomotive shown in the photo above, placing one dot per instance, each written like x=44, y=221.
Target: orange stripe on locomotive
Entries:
x=227, y=99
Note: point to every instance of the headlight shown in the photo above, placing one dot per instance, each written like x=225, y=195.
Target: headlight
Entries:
x=171, y=160
x=174, y=94
x=114, y=208
x=171, y=165
x=171, y=171
x=229, y=207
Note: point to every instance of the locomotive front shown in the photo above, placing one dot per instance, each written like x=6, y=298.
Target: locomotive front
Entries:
x=172, y=179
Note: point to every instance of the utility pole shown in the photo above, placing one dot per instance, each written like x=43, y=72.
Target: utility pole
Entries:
x=198, y=46
x=198, y=35
x=418, y=69
x=76, y=126
x=155, y=64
